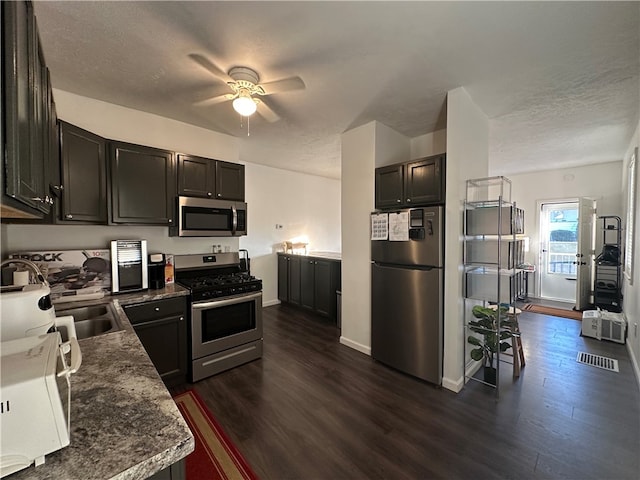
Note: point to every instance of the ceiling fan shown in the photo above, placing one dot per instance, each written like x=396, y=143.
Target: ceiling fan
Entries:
x=246, y=89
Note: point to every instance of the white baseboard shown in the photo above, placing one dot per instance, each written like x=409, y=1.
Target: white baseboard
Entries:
x=355, y=345
x=271, y=303
x=634, y=364
x=453, y=385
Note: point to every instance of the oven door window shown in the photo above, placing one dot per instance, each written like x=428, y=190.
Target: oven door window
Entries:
x=228, y=320
x=199, y=218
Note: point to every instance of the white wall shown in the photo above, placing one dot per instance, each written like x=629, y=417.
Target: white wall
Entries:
x=305, y=205
x=631, y=301
x=358, y=165
x=127, y=125
x=600, y=182
x=467, y=138
x=363, y=149
x=429, y=144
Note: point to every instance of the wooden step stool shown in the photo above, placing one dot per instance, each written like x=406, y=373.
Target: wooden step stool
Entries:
x=516, y=340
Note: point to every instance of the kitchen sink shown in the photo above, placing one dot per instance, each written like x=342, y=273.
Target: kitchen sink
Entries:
x=91, y=320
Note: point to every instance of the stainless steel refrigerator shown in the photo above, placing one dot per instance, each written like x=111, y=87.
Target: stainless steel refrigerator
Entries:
x=407, y=290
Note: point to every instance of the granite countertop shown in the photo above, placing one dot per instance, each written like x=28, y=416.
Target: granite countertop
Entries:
x=318, y=254
x=124, y=423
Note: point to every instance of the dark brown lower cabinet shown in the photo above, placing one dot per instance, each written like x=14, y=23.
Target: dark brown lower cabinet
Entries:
x=161, y=326
x=310, y=282
x=289, y=278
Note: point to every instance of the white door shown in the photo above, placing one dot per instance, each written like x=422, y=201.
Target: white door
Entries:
x=586, y=252
x=558, y=250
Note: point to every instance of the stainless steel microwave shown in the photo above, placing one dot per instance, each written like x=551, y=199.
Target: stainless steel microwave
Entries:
x=204, y=217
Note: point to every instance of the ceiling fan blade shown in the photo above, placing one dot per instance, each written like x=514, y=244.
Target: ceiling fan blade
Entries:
x=208, y=65
x=284, y=85
x=212, y=100
x=265, y=112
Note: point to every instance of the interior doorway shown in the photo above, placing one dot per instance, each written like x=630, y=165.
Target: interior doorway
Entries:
x=558, y=250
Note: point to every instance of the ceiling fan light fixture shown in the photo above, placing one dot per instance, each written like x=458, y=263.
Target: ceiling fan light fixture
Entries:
x=245, y=105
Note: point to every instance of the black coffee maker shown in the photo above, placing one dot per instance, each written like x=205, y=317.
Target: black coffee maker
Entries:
x=156, y=266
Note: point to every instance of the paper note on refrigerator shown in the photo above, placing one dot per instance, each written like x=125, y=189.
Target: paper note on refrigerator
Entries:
x=399, y=227
x=379, y=226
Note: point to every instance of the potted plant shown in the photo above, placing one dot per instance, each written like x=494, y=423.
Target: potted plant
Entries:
x=490, y=339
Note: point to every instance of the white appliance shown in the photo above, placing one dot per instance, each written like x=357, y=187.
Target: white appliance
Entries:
x=26, y=310
x=604, y=325
x=35, y=399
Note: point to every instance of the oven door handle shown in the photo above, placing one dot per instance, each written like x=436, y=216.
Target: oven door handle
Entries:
x=227, y=301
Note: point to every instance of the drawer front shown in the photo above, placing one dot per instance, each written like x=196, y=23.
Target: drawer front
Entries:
x=143, y=312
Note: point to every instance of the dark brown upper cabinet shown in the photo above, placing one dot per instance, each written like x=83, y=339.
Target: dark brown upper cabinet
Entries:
x=84, y=175
x=209, y=178
x=25, y=113
x=389, y=186
x=143, y=184
x=415, y=183
x=196, y=176
x=229, y=181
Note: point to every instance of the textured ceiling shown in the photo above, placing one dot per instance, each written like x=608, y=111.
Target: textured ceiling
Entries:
x=559, y=81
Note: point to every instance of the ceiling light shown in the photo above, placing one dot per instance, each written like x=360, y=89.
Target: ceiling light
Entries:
x=244, y=104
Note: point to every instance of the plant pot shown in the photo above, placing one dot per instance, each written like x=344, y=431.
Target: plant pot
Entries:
x=490, y=375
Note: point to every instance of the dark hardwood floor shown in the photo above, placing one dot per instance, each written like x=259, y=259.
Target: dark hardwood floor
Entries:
x=312, y=408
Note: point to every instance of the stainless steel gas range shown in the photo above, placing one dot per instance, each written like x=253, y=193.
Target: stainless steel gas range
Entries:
x=226, y=312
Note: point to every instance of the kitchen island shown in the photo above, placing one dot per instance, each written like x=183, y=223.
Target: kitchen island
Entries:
x=124, y=423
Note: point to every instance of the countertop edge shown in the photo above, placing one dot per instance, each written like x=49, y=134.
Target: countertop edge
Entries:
x=331, y=256
x=121, y=411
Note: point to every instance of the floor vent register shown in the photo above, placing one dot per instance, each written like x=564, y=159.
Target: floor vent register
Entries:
x=599, y=361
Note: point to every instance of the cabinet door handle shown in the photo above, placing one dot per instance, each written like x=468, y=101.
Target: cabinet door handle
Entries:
x=58, y=187
x=219, y=195
x=408, y=200
x=181, y=319
x=209, y=194
x=398, y=201
x=68, y=216
x=157, y=309
x=36, y=199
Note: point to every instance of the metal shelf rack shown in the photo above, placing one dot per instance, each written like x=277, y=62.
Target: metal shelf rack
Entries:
x=492, y=254
x=607, y=291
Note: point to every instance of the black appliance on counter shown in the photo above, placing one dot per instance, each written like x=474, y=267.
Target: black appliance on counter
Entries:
x=129, y=266
x=156, y=264
x=225, y=324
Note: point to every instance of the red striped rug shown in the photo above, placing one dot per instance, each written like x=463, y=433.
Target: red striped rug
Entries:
x=215, y=457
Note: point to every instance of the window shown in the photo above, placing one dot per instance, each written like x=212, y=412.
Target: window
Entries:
x=631, y=212
x=563, y=239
